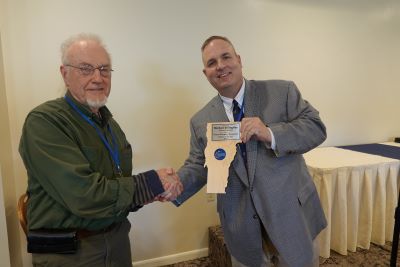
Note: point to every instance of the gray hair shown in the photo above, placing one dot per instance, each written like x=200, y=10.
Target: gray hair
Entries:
x=77, y=38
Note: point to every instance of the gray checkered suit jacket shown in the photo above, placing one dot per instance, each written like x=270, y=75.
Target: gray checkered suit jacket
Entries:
x=276, y=189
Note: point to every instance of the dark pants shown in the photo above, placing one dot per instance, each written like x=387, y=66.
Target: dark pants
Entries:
x=111, y=249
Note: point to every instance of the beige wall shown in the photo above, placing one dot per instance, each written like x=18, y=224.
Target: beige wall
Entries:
x=4, y=184
x=10, y=232
x=4, y=248
x=343, y=55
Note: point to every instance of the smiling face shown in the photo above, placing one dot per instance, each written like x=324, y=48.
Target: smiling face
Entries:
x=93, y=89
x=222, y=67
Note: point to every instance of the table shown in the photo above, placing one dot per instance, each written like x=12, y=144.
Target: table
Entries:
x=358, y=192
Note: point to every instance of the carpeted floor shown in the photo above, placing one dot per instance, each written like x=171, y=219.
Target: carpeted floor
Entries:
x=201, y=262
x=376, y=256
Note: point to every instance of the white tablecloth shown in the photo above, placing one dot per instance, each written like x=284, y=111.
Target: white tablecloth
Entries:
x=358, y=192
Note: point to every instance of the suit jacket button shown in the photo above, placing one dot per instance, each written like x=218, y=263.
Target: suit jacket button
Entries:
x=251, y=188
x=255, y=216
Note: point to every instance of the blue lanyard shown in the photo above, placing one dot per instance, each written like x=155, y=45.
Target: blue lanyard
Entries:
x=113, y=152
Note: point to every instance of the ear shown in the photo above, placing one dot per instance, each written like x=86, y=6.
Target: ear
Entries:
x=240, y=60
x=64, y=73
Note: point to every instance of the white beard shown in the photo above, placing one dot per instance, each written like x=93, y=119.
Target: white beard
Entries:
x=96, y=103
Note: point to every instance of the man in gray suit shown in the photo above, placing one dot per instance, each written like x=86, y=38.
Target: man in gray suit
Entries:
x=271, y=212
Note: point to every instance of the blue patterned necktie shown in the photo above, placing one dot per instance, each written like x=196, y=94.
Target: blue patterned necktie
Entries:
x=238, y=116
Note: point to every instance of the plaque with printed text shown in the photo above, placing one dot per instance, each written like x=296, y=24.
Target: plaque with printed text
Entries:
x=222, y=138
x=225, y=131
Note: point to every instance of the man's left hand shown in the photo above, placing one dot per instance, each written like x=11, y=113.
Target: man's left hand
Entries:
x=253, y=127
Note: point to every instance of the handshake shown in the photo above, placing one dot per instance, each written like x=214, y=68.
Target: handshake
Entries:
x=171, y=183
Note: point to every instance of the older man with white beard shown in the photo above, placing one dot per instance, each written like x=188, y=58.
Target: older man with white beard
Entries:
x=79, y=165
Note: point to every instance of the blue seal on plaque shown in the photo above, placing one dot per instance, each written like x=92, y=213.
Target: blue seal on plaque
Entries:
x=219, y=154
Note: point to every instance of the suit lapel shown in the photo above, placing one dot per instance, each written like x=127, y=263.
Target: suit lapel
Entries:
x=251, y=106
x=218, y=114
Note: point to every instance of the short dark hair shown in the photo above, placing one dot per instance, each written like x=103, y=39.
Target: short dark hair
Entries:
x=215, y=37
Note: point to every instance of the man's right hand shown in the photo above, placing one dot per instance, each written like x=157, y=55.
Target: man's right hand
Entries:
x=171, y=183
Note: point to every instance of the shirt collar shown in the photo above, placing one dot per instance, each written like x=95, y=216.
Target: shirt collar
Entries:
x=239, y=98
x=106, y=115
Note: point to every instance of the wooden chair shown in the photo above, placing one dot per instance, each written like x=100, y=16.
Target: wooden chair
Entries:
x=21, y=208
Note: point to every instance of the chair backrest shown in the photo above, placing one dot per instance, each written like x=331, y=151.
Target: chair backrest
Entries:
x=21, y=208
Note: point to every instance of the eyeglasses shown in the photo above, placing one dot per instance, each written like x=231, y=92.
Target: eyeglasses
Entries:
x=88, y=70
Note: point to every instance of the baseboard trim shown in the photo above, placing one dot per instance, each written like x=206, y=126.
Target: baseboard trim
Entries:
x=171, y=259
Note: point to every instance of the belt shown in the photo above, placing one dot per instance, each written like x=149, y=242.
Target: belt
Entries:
x=84, y=233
